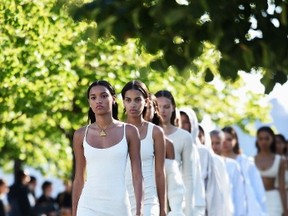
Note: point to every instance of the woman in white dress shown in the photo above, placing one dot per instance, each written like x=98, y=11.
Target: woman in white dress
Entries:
x=271, y=167
x=189, y=122
x=182, y=142
x=135, y=97
x=174, y=182
x=234, y=173
x=282, y=150
x=253, y=185
x=215, y=178
x=101, y=150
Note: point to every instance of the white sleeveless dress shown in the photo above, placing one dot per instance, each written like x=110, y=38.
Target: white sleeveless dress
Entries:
x=104, y=192
x=274, y=203
x=151, y=203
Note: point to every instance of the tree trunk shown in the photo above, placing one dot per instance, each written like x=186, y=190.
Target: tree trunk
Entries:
x=17, y=167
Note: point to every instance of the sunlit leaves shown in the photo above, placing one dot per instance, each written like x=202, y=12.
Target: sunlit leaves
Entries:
x=38, y=48
x=48, y=60
x=230, y=25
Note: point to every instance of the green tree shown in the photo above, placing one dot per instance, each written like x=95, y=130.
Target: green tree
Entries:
x=249, y=34
x=40, y=46
x=47, y=62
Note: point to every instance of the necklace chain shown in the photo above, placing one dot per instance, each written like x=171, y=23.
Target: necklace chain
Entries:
x=103, y=132
x=140, y=127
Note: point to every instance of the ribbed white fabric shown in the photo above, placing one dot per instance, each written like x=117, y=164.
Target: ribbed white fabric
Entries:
x=104, y=192
x=274, y=206
x=182, y=142
x=175, y=188
x=151, y=203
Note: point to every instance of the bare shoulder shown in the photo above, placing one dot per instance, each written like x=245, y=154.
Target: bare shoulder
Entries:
x=79, y=135
x=132, y=133
x=131, y=129
x=80, y=131
x=157, y=130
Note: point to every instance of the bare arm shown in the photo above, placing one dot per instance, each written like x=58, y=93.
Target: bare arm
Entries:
x=80, y=165
x=282, y=186
x=160, y=150
x=133, y=139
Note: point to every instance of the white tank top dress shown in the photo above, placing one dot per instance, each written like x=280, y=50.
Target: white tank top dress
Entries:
x=272, y=171
x=104, y=192
x=273, y=197
x=151, y=203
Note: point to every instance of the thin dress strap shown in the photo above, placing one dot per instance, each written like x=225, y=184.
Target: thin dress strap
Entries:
x=86, y=131
x=124, y=133
x=150, y=130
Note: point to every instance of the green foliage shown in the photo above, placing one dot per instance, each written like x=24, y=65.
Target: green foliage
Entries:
x=249, y=34
x=48, y=60
x=39, y=49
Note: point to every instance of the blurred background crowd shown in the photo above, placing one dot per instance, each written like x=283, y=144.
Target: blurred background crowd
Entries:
x=23, y=198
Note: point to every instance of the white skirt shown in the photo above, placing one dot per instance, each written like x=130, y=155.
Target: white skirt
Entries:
x=274, y=203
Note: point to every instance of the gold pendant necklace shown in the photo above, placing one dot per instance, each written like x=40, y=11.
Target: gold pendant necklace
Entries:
x=102, y=132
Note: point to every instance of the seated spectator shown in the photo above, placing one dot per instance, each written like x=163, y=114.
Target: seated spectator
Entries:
x=32, y=187
x=45, y=204
x=4, y=205
x=64, y=200
x=18, y=195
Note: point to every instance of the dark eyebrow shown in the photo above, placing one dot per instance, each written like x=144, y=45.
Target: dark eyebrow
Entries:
x=139, y=97
x=104, y=93
x=92, y=94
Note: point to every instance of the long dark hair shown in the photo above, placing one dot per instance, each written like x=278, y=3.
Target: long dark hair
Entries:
x=283, y=139
x=271, y=133
x=136, y=85
x=91, y=114
x=167, y=94
x=156, y=117
x=233, y=133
